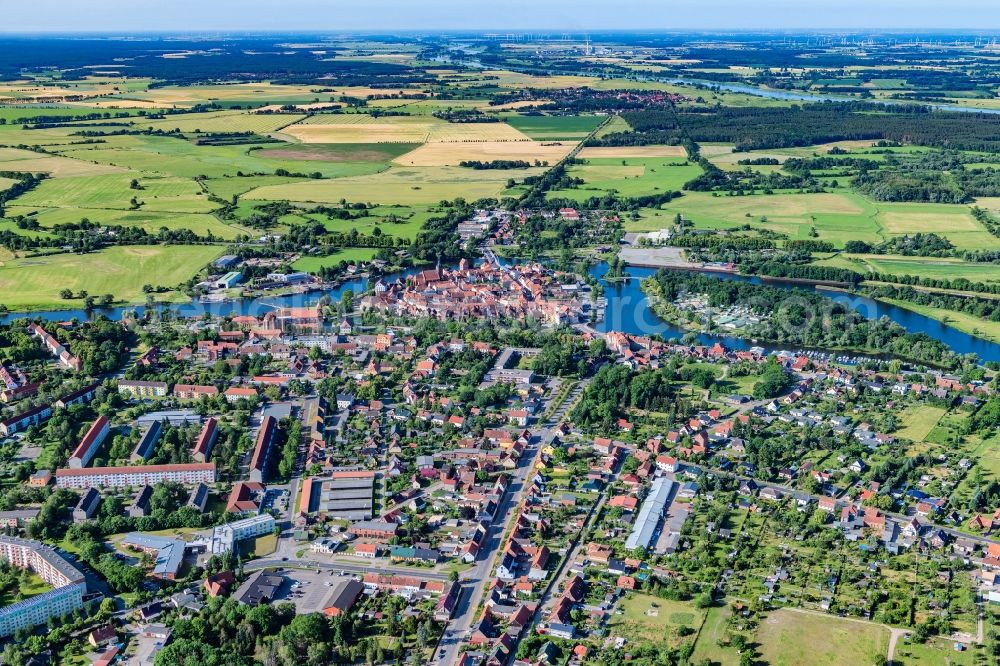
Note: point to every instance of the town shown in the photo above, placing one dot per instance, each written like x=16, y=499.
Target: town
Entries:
x=565, y=496
x=461, y=348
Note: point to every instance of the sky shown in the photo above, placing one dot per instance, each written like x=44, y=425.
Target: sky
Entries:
x=522, y=15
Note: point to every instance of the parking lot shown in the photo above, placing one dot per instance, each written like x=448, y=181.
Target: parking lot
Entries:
x=307, y=589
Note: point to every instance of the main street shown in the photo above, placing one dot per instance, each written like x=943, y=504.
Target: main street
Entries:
x=475, y=580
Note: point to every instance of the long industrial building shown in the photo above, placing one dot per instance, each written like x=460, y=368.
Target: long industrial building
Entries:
x=650, y=514
x=68, y=581
x=347, y=498
x=140, y=475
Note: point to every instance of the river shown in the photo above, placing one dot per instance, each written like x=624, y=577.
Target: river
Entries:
x=627, y=310
x=771, y=93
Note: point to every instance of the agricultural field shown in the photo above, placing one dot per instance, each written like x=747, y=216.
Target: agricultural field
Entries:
x=793, y=638
x=363, y=128
x=399, y=185
x=451, y=154
x=222, y=121
x=35, y=282
x=177, y=195
x=629, y=177
x=628, y=152
x=257, y=93
x=201, y=224
x=555, y=128
x=931, y=267
x=837, y=217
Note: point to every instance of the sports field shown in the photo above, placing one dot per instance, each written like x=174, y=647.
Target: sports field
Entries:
x=792, y=638
x=120, y=270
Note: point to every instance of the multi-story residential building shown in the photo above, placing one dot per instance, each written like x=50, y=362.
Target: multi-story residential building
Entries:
x=25, y=419
x=206, y=439
x=118, y=477
x=139, y=389
x=56, y=348
x=78, y=397
x=193, y=392
x=68, y=582
x=91, y=441
x=144, y=449
x=87, y=506
x=262, y=449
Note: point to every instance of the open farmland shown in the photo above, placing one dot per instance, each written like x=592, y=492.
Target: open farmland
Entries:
x=200, y=223
x=402, y=185
x=361, y=128
x=223, y=121
x=555, y=128
x=114, y=191
x=627, y=152
x=629, y=177
x=450, y=154
x=121, y=270
x=837, y=217
x=184, y=96
x=930, y=267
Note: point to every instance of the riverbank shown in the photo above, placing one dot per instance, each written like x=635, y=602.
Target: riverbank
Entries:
x=981, y=328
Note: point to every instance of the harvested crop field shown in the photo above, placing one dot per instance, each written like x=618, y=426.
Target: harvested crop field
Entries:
x=625, y=152
x=450, y=154
x=360, y=128
x=332, y=152
x=398, y=185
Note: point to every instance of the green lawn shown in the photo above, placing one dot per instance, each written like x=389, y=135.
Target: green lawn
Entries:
x=791, y=638
x=935, y=652
x=34, y=283
x=917, y=422
x=349, y=254
x=712, y=631
x=30, y=585
x=654, y=620
x=971, y=324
